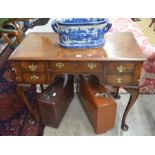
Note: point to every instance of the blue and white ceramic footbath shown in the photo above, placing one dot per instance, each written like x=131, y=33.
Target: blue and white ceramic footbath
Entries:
x=81, y=32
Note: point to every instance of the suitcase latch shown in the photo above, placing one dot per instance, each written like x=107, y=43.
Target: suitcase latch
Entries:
x=49, y=95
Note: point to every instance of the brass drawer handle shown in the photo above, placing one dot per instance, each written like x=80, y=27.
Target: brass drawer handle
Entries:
x=59, y=65
x=121, y=68
x=91, y=65
x=33, y=67
x=34, y=77
x=119, y=79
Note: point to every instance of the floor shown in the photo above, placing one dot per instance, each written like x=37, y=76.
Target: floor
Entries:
x=141, y=119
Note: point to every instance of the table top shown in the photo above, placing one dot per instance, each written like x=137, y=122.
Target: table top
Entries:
x=44, y=46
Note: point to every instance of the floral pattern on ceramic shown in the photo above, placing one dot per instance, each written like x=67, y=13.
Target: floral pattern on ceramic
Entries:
x=81, y=32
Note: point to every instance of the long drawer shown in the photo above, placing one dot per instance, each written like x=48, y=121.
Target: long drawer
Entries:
x=75, y=66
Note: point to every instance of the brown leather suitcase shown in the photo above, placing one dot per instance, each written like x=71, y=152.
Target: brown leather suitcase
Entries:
x=54, y=101
x=98, y=104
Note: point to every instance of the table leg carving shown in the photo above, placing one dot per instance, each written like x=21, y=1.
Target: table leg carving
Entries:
x=134, y=92
x=20, y=92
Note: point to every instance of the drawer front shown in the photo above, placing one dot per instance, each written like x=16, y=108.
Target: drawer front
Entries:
x=34, y=78
x=118, y=79
x=32, y=66
x=120, y=67
x=76, y=66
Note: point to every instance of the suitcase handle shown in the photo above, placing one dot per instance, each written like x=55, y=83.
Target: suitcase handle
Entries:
x=106, y=95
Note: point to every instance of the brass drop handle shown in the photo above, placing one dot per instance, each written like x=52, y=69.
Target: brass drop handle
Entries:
x=119, y=79
x=121, y=68
x=33, y=67
x=91, y=65
x=34, y=77
x=59, y=65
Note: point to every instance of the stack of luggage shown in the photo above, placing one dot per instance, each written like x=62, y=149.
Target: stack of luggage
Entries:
x=98, y=103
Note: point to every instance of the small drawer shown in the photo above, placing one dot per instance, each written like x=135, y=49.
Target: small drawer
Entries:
x=34, y=78
x=120, y=67
x=32, y=66
x=76, y=66
x=118, y=79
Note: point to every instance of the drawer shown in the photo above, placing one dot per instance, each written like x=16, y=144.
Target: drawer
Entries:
x=34, y=78
x=120, y=67
x=118, y=79
x=76, y=66
x=32, y=66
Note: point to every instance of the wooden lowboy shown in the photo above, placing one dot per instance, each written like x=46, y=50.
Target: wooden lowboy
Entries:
x=39, y=59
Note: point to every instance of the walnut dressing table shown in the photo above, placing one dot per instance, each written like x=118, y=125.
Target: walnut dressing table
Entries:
x=39, y=59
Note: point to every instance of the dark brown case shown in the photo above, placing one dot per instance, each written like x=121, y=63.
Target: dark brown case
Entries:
x=98, y=104
x=54, y=101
